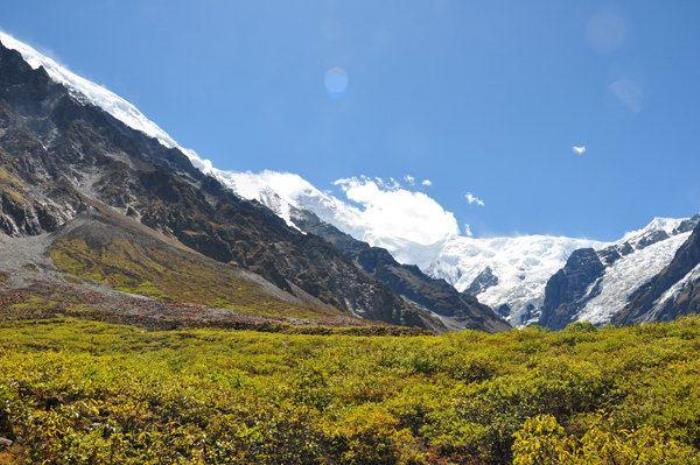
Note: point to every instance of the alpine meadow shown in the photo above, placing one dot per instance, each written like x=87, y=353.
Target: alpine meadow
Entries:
x=78, y=391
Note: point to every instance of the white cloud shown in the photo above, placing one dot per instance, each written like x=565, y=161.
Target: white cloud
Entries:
x=389, y=184
x=629, y=93
x=468, y=230
x=579, y=149
x=389, y=211
x=376, y=210
x=474, y=200
x=427, y=183
x=409, y=179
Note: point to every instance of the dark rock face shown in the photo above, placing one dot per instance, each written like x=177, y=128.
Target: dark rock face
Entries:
x=59, y=155
x=408, y=281
x=504, y=310
x=652, y=238
x=610, y=255
x=566, y=289
x=686, y=302
x=641, y=306
x=484, y=280
x=687, y=225
x=626, y=249
x=613, y=253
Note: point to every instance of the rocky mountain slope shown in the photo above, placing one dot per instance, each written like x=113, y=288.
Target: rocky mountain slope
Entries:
x=455, y=309
x=56, y=151
x=596, y=285
x=672, y=292
x=106, y=266
x=66, y=143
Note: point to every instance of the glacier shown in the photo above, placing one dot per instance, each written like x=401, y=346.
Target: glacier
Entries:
x=626, y=275
x=522, y=264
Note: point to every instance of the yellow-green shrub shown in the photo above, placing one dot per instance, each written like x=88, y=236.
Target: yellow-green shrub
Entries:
x=79, y=392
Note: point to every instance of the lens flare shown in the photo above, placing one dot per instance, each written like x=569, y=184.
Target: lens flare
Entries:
x=336, y=81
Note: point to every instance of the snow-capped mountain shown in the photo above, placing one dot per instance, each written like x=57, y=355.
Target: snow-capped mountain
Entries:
x=278, y=191
x=374, y=210
x=596, y=285
x=654, y=247
x=515, y=269
x=246, y=234
x=509, y=274
x=284, y=192
x=520, y=267
x=89, y=92
x=70, y=168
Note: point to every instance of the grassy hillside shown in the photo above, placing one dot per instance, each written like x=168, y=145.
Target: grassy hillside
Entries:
x=164, y=275
x=137, y=261
x=78, y=392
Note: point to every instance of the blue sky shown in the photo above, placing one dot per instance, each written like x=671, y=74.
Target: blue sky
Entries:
x=482, y=97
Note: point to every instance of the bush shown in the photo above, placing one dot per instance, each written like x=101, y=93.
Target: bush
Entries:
x=542, y=441
x=78, y=392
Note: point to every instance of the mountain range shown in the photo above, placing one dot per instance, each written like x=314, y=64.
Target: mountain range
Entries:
x=97, y=200
x=515, y=275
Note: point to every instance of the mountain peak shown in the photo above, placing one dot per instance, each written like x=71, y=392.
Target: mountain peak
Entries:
x=89, y=92
x=657, y=228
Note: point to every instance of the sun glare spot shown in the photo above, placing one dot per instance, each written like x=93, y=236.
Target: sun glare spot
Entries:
x=336, y=81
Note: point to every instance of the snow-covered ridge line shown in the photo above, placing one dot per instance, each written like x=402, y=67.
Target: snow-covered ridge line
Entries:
x=248, y=185
x=657, y=224
x=87, y=91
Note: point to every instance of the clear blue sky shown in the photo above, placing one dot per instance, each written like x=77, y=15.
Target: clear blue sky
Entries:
x=479, y=96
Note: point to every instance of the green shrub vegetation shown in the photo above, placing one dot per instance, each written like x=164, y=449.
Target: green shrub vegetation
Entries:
x=166, y=274
x=80, y=392
x=11, y=186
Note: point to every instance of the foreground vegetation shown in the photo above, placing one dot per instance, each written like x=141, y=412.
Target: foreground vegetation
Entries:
x=78, y=392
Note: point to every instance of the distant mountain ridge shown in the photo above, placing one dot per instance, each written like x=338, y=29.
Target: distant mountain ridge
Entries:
x=510, y=274
x=519, y=266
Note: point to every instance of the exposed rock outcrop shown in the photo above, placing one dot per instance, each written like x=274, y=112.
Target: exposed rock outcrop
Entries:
x=653, y=301
x=436, y=295
x=566, y=289
x=483, y=281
